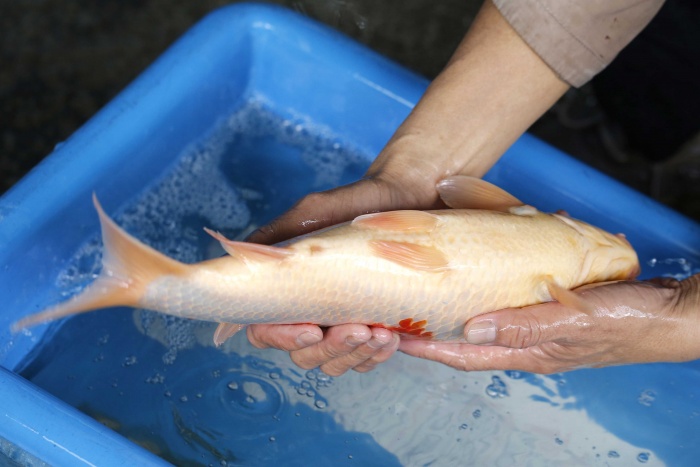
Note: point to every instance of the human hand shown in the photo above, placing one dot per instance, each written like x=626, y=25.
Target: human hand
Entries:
x=630, y=322
x=494, y=87
x=339, y=349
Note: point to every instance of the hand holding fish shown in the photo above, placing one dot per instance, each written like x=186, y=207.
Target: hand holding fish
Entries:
x=493, y=70
x=630, y=322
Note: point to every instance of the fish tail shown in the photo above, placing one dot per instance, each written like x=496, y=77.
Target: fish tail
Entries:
x=128, y=267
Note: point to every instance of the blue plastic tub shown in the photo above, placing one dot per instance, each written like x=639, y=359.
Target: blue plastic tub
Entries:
x=251, y=109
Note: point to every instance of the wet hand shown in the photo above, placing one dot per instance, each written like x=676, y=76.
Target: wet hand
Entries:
x=629, y=322
x=335, y=351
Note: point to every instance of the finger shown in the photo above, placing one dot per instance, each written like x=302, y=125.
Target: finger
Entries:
x=467, y=357
x=365, y=357
x=286, y=337
x=337, y=342
x=520, y=328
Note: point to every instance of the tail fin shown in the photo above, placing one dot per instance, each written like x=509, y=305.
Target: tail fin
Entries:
x=128, y=266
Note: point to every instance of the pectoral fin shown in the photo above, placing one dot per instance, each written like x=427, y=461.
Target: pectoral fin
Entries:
x=464, y=192
x=411, y=255
x=568, y=298
x=225, y=331
x=406, y=221
x=250, y=252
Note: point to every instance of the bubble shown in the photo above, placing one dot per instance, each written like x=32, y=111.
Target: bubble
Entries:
x=155, y=379
x=251, y=395
x=613, y=454
x=497, y=389
x=463, y=426
x=643, y=457
x=130, y=360
x=476, y=413
x=321, y=404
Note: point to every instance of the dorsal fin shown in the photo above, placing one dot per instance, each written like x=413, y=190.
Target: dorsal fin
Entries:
x=411, y=255
x=251, y=253
x=464, y=192
x=128, y=266
x=406, y=221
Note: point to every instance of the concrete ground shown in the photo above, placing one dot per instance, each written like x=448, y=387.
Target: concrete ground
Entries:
x=62, y=60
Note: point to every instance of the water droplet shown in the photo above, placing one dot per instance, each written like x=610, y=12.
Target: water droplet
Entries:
x=272, y=439
x=349, y=456
x=274, y=375
x=183, y=399
x=321, y=404
x=476, y=413
x=497, y=389
x=167, y=394
x=463, y=426
x=643, y=457
x=613, y=454
x=647, y=397
x=232, y=385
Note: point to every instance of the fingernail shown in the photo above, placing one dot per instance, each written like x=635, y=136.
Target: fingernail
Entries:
x=375, y=343
x=307, y=338
x=483, y=332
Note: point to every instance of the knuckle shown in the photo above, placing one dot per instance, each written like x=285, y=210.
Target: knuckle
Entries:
x=332, y=369
x=524, y=332
x=252, y=333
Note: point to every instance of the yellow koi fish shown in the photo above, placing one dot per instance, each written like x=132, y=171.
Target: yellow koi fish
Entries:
x=419, y=273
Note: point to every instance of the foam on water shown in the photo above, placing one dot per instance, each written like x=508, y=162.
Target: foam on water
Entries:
x=191, y=403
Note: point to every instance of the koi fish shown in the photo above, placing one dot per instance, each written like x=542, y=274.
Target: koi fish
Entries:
x=419, y=273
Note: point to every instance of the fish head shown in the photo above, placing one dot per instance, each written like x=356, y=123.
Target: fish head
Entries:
x=608, y=256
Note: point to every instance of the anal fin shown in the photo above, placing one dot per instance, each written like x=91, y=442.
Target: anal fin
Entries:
x=225, y=331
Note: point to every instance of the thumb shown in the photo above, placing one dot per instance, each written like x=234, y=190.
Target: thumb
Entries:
x=520, y=328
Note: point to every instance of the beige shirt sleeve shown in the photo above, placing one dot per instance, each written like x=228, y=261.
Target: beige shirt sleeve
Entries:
x=578, y=38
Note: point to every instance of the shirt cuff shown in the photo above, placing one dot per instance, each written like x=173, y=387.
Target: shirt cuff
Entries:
x=578, y=38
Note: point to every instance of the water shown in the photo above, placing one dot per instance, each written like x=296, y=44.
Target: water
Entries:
x=159, y=381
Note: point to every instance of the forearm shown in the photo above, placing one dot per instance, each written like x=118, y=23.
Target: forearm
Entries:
x=492, y=90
